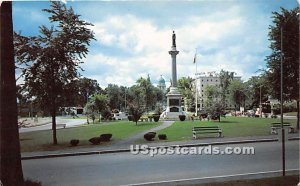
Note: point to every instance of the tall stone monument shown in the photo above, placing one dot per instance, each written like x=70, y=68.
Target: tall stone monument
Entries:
x=173, y=97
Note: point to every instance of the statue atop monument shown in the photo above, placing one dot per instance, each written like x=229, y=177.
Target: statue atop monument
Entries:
x=173, y=39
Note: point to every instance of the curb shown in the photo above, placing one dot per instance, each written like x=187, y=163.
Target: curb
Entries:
x=220, y=179
x=128, y=150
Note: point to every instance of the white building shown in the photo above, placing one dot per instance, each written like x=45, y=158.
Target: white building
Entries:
x=212, y=79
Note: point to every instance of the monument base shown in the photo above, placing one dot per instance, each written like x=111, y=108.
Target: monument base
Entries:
x=173, y=109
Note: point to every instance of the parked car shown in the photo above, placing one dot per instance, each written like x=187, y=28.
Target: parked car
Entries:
x=120, y=116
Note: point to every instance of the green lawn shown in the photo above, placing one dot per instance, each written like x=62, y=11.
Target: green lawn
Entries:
x=231, y=127
x=42, y=140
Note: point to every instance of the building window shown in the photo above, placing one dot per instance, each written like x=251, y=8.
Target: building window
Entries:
x=202, y=85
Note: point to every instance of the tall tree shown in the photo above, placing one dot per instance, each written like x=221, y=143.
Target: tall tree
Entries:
x=185, y=86
x=256, y=90
x=100, y=102
x=287, y=22
x=54, y=57
x=225, y=79
x=10, y=158
x=147, y=92
x=114, y=96
x=212, y=93
x=213, y=103
x=236, y=93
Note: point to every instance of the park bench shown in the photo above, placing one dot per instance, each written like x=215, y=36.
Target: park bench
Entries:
x=61, y=125
x=276, y=126
x=206, y=130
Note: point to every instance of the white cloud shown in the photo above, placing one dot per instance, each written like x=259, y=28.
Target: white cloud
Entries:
x=220, y=37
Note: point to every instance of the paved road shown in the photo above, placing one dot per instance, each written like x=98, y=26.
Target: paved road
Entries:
x=125, y=168
x=68, y=122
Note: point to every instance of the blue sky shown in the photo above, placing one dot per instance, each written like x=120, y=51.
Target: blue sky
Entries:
x=134, y=37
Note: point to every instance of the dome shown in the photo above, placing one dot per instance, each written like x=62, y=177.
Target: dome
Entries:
x=161, y=81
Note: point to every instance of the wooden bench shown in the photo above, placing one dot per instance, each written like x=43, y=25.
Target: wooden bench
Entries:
x=276, y=126
x=61, y=125
x=206, y=130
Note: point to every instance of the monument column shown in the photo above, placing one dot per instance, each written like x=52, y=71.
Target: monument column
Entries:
x=173, y=52
x=173, y=97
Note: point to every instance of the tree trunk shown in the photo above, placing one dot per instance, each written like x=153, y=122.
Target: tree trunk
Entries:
x=298, y=115
x=10, y=158
x=53, y=115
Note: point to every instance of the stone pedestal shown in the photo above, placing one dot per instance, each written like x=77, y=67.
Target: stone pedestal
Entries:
x=174, y=108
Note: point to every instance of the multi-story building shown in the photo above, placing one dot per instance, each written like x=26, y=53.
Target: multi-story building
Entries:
x=202, y=82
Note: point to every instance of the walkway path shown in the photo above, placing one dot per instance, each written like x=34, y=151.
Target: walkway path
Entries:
x=46, y=124
x=132, y=139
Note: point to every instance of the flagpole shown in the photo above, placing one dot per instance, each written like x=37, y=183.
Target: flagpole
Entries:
x=196, y=87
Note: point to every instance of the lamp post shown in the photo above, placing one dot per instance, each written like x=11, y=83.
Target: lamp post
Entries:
x=125, y=101
x=281, y=100
x=260, y=106
x=281, y=94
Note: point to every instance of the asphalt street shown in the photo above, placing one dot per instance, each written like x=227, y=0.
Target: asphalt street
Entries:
x=126, y=168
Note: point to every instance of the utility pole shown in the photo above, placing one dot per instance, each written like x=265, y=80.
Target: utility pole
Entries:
x=281, y=101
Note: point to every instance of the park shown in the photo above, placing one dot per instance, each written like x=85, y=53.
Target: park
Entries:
x=79, y=89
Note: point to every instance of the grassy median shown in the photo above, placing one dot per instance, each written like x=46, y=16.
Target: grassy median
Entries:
x=231, y=127
x=42, y=140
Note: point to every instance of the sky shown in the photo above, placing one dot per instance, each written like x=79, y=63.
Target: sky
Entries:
x=134, y=37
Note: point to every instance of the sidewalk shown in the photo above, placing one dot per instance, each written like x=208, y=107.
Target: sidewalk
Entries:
x=125, y=147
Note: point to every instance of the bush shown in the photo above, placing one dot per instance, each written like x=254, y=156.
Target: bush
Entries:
x=181, y=117
x=149, y=136
x=74, y=142
x=105, y=137
x=274, y=116
x=162, y=136
x=130, y=117
x=156, y=117
x=95, y=140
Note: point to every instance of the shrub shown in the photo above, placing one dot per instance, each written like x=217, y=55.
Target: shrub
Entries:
x=95, y=140
x=156, y=117
x=74, y=142
x=149, y=136
x=105, y=137
x=274, y=116
x=162, y=136
x=181, y=117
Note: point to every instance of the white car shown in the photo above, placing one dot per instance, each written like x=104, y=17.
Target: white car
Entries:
x=120, y=116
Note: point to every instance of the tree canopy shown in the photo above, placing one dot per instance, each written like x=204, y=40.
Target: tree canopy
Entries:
x=284, y=44
x=52, y=58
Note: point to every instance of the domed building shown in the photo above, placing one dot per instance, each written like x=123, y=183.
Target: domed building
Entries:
x=162, y=84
